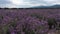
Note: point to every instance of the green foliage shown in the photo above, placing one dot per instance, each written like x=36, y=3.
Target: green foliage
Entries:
x=51, y=21
x=29, y=32
x=1, y=17
x=32, y=32
x=13, y=24
x=5, y=29
x=19, y=32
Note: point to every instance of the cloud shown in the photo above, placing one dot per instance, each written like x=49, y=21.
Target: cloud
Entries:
x=27, y=3
x=52, y=1
x=4, y=1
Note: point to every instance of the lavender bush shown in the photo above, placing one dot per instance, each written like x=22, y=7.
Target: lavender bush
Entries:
x=25, y=21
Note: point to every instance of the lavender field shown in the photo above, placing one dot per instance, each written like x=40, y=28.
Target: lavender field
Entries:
x=29, y=21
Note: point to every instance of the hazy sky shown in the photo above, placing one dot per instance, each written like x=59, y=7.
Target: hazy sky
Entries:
x=27, y=3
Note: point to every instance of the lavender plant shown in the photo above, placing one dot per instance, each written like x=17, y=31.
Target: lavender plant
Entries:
x=25, y=22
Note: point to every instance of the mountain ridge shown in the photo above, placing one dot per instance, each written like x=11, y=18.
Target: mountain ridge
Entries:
x=54, y=6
